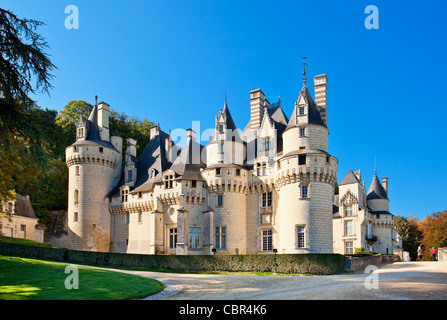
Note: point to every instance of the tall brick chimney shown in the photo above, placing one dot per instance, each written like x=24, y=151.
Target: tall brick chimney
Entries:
x=320, y=85
x=257, y=101
x=385, y=184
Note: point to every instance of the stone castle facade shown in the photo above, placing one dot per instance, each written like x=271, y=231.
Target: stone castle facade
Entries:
x=269, y=187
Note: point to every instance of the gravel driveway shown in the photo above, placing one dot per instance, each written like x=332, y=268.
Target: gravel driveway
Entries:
x=401, y=280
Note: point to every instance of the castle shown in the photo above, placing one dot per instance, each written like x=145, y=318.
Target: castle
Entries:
x=268, y=188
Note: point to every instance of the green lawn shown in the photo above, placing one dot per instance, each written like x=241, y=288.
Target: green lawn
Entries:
x=30, y=279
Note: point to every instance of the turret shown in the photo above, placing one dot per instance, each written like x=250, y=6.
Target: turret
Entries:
x=94, y=164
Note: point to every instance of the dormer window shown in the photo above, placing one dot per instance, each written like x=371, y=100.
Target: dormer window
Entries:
x=301, y=111
x=221, y=128
x=129, y=175
x=169, y=181
x=261, y=169
x=266, y=144
x=80, y=132
x=348, y=211
x=153, y=173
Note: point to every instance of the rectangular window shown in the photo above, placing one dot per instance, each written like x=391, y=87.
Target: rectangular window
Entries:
x=349, y=228
x=127, y=218
x=218, y=172
x=304, y=191
x=301, y=111
x=169, y=181
x=77, y=171
x=221, y=238
x=221, y=129
x=23, y=227
x=124, y=195
x=348, y=211
x=267, y=240
x=266, y=144
x=261, y=168
x=221, y=148
x=101, y=149
x=140, y=217
x=173, y=238
x=302, y=159
x=238, y=172
x=349, y=247
x=76, y=196
x=193, y=184
x=300, y=237
x=129, y=175
x=266, y=199
x=75, y=217
x=302, y=132
x=220, y=200
x=194, y=238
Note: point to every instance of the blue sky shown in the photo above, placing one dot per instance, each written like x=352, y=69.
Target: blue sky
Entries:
x=171, y=62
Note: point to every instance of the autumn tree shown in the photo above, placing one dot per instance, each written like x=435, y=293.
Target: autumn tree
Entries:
x=434, y=231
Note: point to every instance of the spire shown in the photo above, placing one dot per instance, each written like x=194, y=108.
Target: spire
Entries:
x=304, y=70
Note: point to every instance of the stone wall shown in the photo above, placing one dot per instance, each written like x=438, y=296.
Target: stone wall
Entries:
x=360, y=263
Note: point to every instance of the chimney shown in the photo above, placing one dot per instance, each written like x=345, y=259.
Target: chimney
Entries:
x=257, y=101
x=385, y=184
x=103, y=120
x=153, y=131
x=320, y=85
x=131, y=147
x=190, y=134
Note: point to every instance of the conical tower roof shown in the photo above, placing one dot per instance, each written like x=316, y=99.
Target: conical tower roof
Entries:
x=376, y=190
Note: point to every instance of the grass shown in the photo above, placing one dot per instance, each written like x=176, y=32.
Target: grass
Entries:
x=30, y=279
x=24, y=242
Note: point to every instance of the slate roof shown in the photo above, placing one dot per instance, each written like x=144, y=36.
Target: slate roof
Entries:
x=23, y=208
x=188, y=164
x=92, y=137
x=349, y=178
x=312, y=116
x=231, y=132
x=376, y=190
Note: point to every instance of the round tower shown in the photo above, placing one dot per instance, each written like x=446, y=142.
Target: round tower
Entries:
x=93, y=165
x=305, y=179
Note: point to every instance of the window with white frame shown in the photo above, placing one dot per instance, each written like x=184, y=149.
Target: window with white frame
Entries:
x=349, y=247
x=302, y=132
x=349, y=228
x=169, y=181
x=221, y=237
x=266, y=144
x=267, y=240
x=266, y=198
x=348, y=211
x=305, y=191
x=261, y=168
x=194, y=238
x=300, y=237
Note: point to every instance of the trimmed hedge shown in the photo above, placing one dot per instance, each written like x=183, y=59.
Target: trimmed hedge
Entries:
x=286, y=263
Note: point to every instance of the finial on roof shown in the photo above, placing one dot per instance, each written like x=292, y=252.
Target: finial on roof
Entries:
x=375, y=166
x=304, y=70
x=225, y=96
x=96, y=100
x=279, y=97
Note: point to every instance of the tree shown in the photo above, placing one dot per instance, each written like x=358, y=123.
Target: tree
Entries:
x=434, y=231
x=24, y=69
x=410, y=234
x=22, y=62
